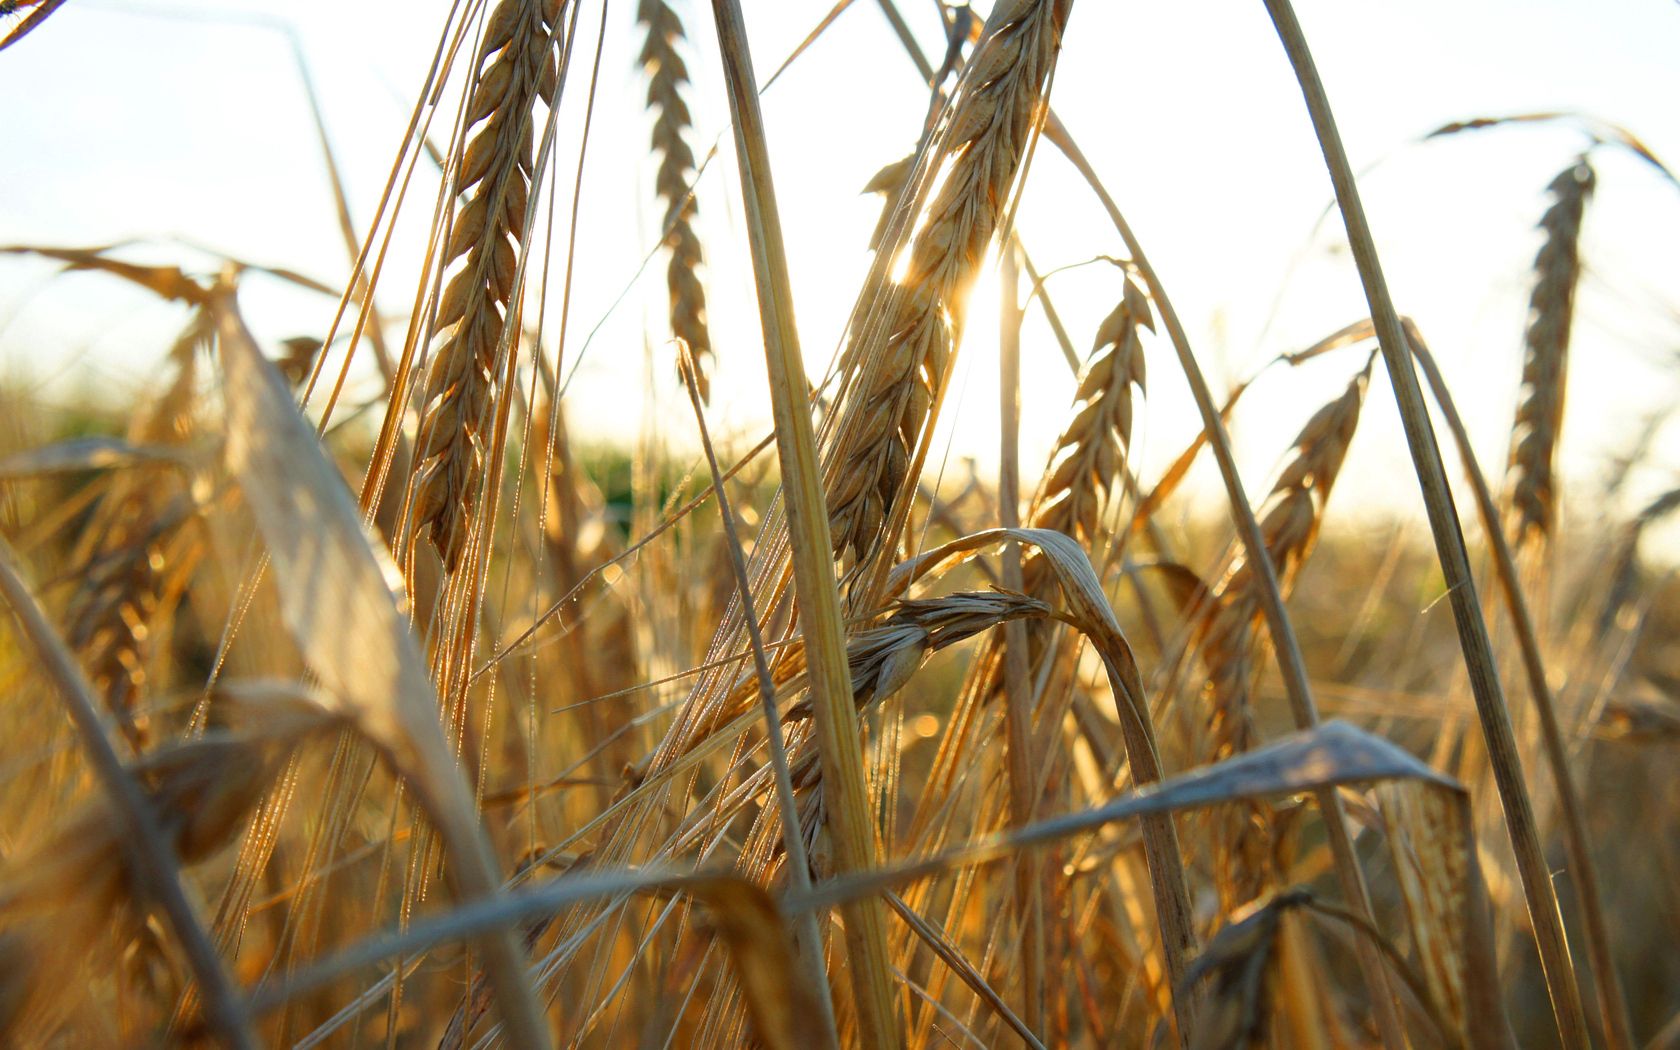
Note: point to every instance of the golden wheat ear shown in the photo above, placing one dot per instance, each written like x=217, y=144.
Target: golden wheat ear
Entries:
x=1551, y=315
x=1090, y=456
x=518, y=66
x=901, y=365
x=667, y=75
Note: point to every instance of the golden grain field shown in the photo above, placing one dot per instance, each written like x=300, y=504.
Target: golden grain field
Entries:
x=354, y=695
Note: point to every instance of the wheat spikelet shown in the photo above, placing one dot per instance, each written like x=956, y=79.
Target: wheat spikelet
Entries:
x=889, y=183
x=1091, y=452
x=666, y=76
x=517, y=66
x=1551, y=311
x=903, y=369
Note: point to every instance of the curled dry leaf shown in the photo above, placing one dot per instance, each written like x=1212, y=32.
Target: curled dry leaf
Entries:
x=339, y=599
x=1330, y=755
x=1238, y=963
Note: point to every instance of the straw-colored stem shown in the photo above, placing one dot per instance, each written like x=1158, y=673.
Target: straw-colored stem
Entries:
x=1018, y=698
x=1290, y=662
x=1449, y=545
x=150, y=861
x=838, y=737
x=793, y=841
x=1612, y=1002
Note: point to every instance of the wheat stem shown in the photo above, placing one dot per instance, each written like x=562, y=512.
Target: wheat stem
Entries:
x=799, y=865
x=838, y=736
x=1449, y=545
x=1018, y=698
x=1612, y=1002
x=1284, y=643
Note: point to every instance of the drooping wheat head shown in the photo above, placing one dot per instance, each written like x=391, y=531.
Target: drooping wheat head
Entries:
x=517, y=66
x=1551, y=312
x=667, y=74
x=902, y=365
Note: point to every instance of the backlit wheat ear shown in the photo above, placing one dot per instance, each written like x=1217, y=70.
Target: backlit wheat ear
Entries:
x=517, y=66
x=1091, y=453
x=1551, y=312
x=109, y=620
x=903, y=364
x=666, y=76
x=1293, y=513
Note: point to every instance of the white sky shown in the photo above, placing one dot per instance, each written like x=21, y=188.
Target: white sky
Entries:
x=154, y=121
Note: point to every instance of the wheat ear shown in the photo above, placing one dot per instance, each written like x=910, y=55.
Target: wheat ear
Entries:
x=667, y=74
x=1290, y=521
x=517, y=66
x=902, y=364
x=1091, y=453
x=1551, y=312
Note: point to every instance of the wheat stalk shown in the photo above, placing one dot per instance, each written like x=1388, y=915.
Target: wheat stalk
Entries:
x=809, y=541
x=902, y=364
x=517, y=66
x=1551, y=312
x=1448, y=533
